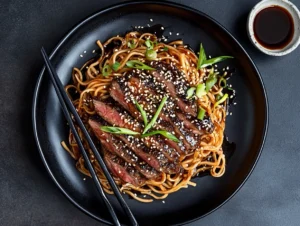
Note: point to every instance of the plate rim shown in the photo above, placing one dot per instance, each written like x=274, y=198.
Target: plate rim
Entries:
x=120, y=5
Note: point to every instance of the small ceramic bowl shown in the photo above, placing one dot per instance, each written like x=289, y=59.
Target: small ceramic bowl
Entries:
x=292, y=9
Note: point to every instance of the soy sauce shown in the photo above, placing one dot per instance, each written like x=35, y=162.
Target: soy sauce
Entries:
x=274, y=27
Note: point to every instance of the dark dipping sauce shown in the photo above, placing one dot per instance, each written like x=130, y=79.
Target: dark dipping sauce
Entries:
x=274, y=27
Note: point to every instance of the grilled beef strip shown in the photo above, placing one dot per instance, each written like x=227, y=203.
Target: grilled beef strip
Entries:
x=168, y=120
x=118, y=92
x=111, y=114
x=116, y=146
x=121, y=169
x=165, y=159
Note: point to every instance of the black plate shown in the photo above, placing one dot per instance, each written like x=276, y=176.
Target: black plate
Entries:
x=246, y=127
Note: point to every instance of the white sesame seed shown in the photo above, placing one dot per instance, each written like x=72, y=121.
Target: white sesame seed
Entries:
x=84, y=178
x=81, y=55
x=170, y=33
x=84, y=51
x=177, y=34
x=151, y=20
x=163, y=202
x=162, y=28
x=94, y=51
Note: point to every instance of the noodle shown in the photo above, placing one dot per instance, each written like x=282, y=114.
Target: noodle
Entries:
x=88, y=82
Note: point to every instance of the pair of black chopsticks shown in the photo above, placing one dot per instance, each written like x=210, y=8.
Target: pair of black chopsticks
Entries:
x=68, y=108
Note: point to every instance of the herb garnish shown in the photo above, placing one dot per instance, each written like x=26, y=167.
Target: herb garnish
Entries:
x=204, y=62
x=118, y=130
x=106, y=70
x=138, y=65
x=154, y=118
x=163, y=133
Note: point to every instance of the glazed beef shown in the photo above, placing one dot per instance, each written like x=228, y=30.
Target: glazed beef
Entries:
x=135, y=159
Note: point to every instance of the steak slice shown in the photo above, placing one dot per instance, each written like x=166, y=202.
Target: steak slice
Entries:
x=121, y=97
x=117, y=118
x=167, y=116
x=121, y=169
x=184, y=105
x=116, y=146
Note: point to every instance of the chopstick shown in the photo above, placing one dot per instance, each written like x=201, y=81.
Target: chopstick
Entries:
x=68, y=107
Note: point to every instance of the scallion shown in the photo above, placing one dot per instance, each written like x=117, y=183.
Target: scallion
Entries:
x=142, y=111
x=222, y=82
x=201, y=113
x=165, y=48
x=154, y=118
x=222, y=100
x=116, y=66
x=149, y=44
x=190, y=92
x=106, y=70
x=138, y=64
x=163, y=133
x=214, y=60
x=131, y=44
x=118, y=130
x=200, y=91
x=151, y=54
x=210, y=82
x=202, y=57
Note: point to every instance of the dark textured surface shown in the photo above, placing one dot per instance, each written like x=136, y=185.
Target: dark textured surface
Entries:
x=27, y=194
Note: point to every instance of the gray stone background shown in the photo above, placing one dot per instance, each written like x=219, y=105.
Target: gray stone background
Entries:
x=27, y=194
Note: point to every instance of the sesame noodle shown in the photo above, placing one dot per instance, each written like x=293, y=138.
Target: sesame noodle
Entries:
x=88, y=82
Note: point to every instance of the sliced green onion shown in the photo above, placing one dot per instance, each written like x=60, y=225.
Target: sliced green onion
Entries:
x=200, y=91
x=153, y=120
x=131, y=44
x=222, y=82
x=116, y=66
x=201, y=113
x=138, y=64
x=118, y=130
x=202, y=57
x=164, y=133
x=210, y=82
x=214, y=60
x=151, y=54
x=149, y=44
x=143, y=113
x=106, y=70
x=222, y=100
x=166, y=48
x=190, y=92
x=218, y=97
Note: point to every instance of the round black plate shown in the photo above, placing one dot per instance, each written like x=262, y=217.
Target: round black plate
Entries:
x=246, y=127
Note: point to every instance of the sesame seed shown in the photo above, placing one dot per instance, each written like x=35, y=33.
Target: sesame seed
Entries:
x=177, y=34
x=163, y=202
x=170, y=33
x=162, y=28
x=84, y=178
x=94, y=51
x=81, y=55
x=151, y=20
x=84, y=51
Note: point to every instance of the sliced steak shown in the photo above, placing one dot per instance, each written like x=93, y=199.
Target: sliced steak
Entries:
x=116, y=118
x=116, y=146
x=154, y=157
x=121, y=169
x=184, y=105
